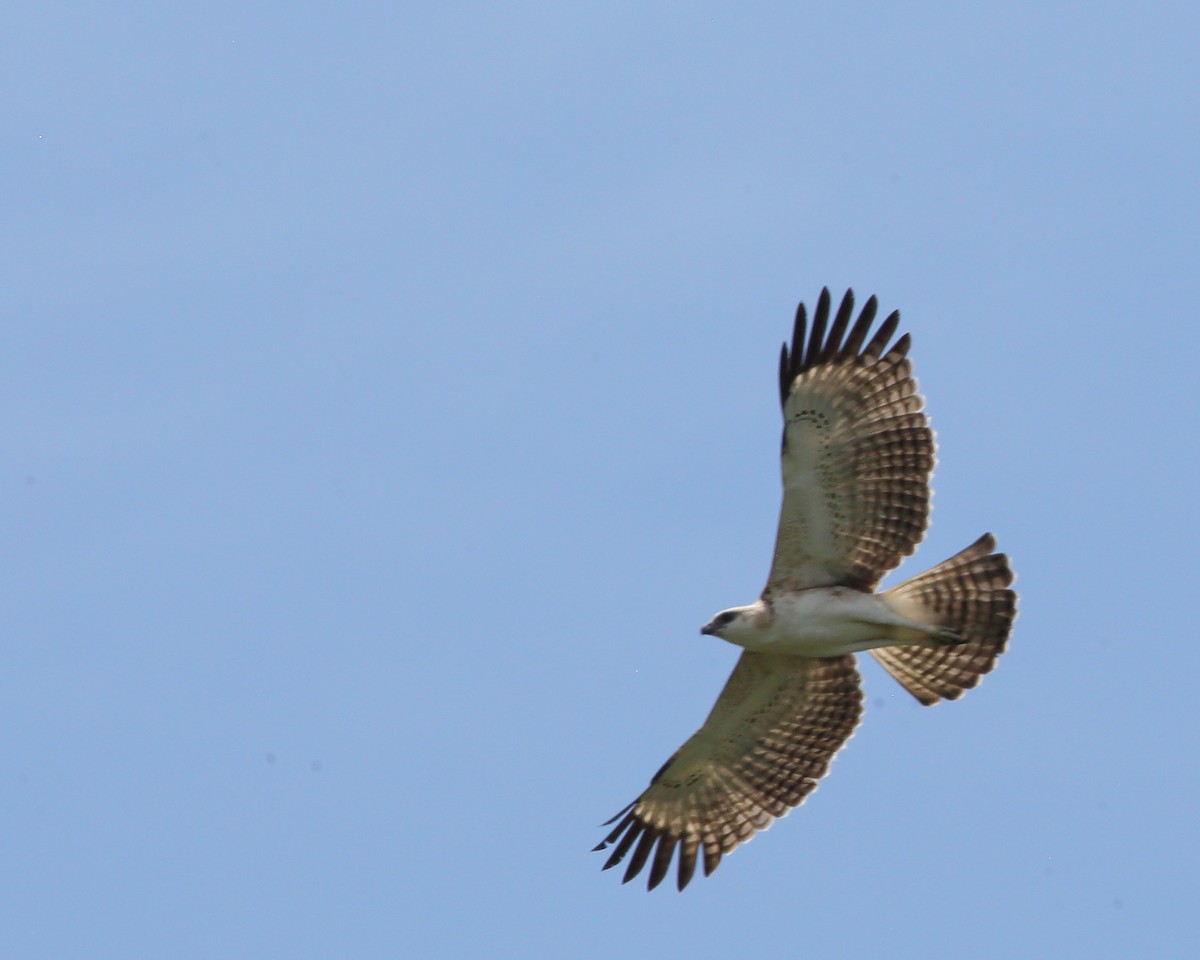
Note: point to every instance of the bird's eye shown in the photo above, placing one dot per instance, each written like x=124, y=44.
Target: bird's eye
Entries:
x=725, y=619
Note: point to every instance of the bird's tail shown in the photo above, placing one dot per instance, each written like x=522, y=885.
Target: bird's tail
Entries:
x=969, y=596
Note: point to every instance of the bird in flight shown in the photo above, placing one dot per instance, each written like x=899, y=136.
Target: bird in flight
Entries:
x=857, y=457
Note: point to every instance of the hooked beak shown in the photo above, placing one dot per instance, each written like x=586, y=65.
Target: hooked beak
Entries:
x=708, y=630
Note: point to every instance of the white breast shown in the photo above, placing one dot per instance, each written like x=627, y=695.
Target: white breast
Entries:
x=831, y=621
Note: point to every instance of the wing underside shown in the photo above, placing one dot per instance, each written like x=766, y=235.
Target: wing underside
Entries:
x=857, y=451
x=767, y=742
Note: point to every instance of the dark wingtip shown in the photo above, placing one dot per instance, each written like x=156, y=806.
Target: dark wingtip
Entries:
x=886, y=331
x=629, y=827
x=662, y=860
x=785, y=380
x=816, y=338
x=621, y=849
x=791, y=362
x=858, y=333
x=822, y=341
x=833, y=342
x=618, y=815
x=640, y=853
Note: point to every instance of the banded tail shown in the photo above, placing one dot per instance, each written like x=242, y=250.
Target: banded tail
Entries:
x=968, y=595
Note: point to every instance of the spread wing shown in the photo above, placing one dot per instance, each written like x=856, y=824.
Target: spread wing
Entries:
x=857, y=452
x=768, y=740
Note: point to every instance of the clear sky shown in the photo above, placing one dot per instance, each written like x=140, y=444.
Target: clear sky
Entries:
x=388, y=396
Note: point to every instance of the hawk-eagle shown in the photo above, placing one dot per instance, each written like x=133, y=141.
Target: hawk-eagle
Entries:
x=857, y=456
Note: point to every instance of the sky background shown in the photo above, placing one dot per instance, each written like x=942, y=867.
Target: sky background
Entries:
x=388, y=396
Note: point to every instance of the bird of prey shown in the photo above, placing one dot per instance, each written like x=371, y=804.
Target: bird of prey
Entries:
x=857, y=457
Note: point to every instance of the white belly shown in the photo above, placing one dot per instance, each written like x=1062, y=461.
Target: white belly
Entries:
x=831, y=621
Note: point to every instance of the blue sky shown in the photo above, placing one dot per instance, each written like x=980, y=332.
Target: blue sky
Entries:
x=388, y=397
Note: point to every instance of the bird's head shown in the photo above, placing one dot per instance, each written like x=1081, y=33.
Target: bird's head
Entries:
x=740, y=625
